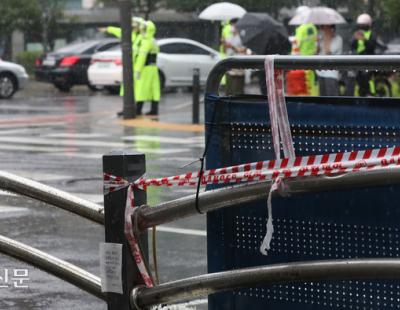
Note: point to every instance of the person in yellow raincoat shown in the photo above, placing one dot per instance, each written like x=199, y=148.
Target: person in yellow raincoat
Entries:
x=226, y=32
x=146, y=71
x=137, y=24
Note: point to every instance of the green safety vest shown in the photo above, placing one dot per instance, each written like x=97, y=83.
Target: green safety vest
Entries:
x=307, y=37
x=361, y=43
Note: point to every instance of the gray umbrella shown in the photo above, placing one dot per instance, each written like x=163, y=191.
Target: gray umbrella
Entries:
x=263, y=34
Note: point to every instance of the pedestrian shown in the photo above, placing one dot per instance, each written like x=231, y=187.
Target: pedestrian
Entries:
x=226, y=33
x=233, y=46
x=146, y=71
x=330, y=44
x=364, y=43
x=304, y=43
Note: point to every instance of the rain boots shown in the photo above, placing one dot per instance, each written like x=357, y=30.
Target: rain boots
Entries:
x=139, y=107
x=154, y=108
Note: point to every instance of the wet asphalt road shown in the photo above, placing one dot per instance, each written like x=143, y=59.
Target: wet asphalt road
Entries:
x=58, y=139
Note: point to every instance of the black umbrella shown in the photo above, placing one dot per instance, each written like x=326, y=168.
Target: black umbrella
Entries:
x=263, y=34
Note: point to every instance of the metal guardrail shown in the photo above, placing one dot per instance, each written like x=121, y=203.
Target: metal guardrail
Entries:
x=191, y=288
x=300, y=62
x=50, y=195
x=231, y=196
x=52, y=265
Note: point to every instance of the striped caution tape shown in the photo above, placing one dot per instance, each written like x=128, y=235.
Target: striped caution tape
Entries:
x=272, y=170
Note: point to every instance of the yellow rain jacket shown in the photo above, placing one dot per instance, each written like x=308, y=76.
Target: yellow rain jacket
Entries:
x=136, y=38
x=146, y=71
x=307, y=42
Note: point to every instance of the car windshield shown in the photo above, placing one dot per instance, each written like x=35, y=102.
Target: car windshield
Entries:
x=78, y=47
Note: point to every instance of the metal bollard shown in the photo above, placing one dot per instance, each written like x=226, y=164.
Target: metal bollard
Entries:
x=130, y=166
x=196, y=96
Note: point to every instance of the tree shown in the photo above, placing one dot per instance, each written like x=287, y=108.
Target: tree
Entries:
x=16, y=15
x=51, y=12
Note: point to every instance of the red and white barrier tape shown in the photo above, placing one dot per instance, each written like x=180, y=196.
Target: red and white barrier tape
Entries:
x=113, y=184
x=280, y=128
x=273, y=170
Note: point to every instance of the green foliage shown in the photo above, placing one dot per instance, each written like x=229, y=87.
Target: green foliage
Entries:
x=18, y=15
x=27, y=60
x=391, y=13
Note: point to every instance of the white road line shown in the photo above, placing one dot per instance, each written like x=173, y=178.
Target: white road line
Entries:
x=161, y=139
x=5, y=147
x=39, y=176
x=99, y=156
x=57, y=142
x=6, y=211
x=76, y=135
x=182, y=231
x=77, y=143
x=33, y=125
x=96, y=198
x=30, y=108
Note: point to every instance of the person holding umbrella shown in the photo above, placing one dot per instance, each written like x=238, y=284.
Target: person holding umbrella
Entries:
x=317, y=16
x=263, y=35
x=233, y=46
x=330, y=44
x=225, y=12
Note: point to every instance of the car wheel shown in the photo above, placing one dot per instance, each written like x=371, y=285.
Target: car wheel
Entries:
x=8, y=85
x=64, y=87
x=113, y=90
x=94, y=87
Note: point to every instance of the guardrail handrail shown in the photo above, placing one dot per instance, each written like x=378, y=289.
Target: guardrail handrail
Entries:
x=239, y=194
x=53, y=265
x=203, y=285
x=51, y=195
x=345, y=62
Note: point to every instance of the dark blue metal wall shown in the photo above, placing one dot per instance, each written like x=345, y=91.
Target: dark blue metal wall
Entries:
x=343, y=224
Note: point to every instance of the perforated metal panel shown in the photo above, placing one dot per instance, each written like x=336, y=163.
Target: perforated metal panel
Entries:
x=343, y=224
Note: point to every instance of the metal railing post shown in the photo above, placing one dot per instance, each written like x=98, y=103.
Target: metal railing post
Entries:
x=196, y=96
x=130, y=166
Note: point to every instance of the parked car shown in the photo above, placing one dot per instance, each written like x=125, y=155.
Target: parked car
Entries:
x=68, y=66
x=12, y=78
x=176, y=61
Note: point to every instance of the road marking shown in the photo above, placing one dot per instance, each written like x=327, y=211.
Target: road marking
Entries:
x=96, y=198
x=65, y=118
x=163, y=139
x=182, y=231
x=147, y=123
x=108, y=145
x=100, y=156
x=24, y=125
x=36, y=149
x=56, y=142
x=76, y=135
x=6, y=211
x=39, y=176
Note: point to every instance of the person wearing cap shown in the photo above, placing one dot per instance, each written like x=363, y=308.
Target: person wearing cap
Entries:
x=364, y=43
x=146, y=71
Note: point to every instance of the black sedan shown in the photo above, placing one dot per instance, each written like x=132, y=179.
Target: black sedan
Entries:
x=68, y=66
